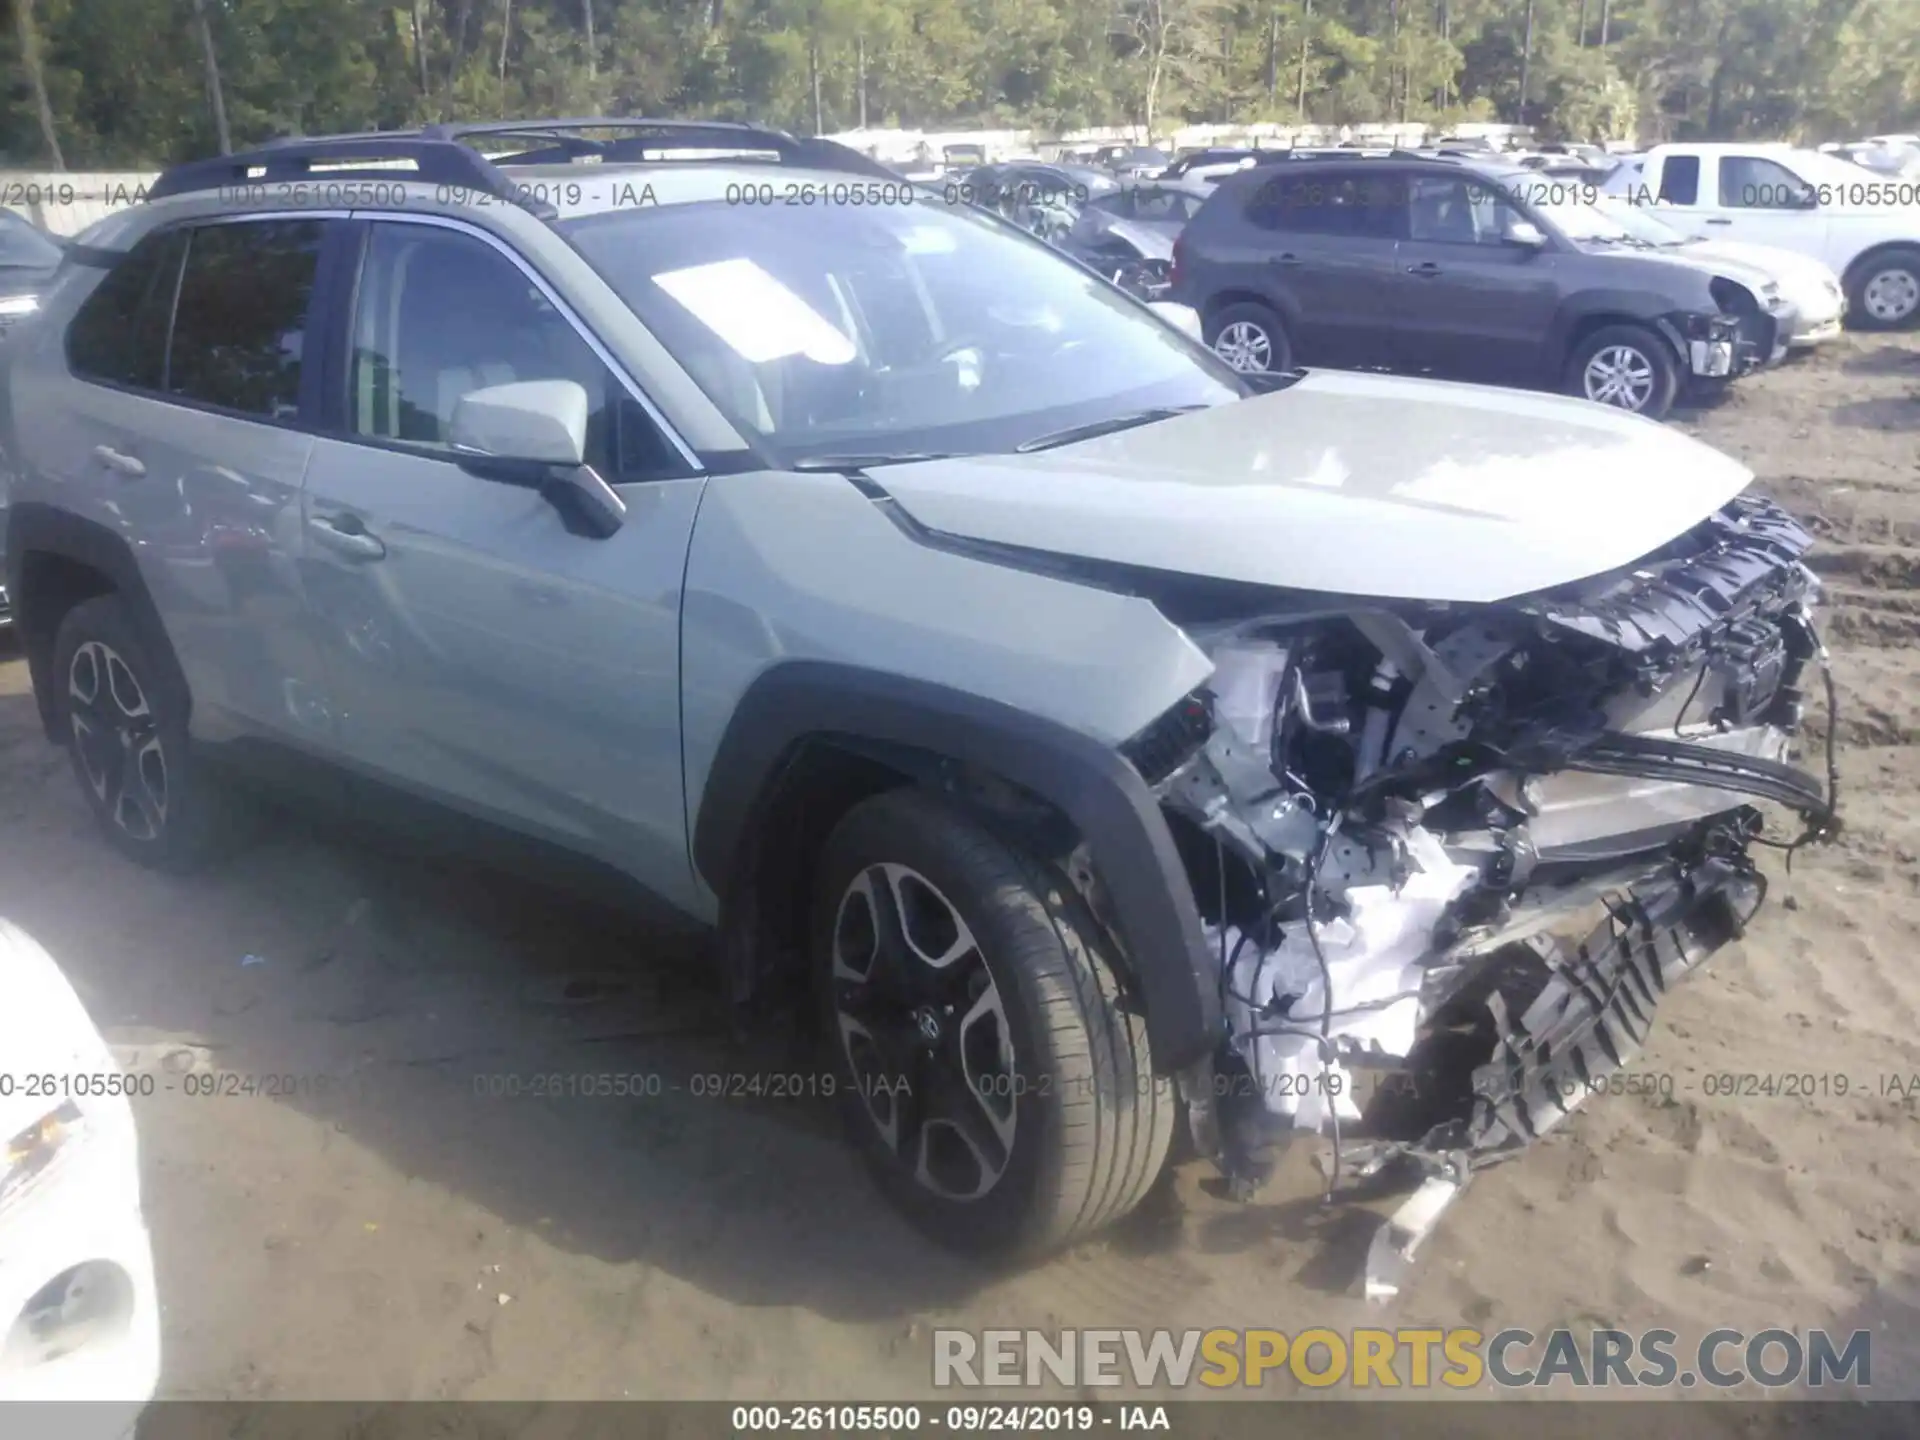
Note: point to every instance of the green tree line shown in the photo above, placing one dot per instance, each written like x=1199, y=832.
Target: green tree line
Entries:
x=110, y=83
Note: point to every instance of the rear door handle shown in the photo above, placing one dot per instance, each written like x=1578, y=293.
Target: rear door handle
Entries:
x=130, y=466
x=1426, y=270
x=1718, y=220
x=346, y=535
x=1289, y=258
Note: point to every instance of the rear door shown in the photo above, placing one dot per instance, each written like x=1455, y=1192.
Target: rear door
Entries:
x=1469, y=302
x=187, y=433
x=1321, y=242
x=484, y=654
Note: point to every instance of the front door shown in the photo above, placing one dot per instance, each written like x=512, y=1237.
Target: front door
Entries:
x=1762, y=202
x=484, y=654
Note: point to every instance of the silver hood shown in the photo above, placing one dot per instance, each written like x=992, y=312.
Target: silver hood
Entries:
x=1348, y=483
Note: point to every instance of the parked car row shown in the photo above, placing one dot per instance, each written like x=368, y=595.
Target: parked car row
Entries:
x=1466, y=262
x=1465, y=269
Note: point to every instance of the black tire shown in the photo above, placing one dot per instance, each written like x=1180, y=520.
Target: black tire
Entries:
x=1252, y=319
x=1891, y=277
x=1654, y=360
x=125, y=728
x=1087, y=1122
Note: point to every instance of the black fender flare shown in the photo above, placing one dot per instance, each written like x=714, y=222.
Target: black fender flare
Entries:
x=1272, y=297
x=1626, y=307
x=1087, y=781
x=35, y=528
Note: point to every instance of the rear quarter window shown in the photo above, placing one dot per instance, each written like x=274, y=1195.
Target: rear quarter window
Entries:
x=119, y=333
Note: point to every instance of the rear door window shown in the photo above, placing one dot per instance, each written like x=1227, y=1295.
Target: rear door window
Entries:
x=1351, y=206
x=119, y=333
x=240, y=324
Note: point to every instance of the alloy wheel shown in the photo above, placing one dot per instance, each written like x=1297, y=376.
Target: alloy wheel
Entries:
x=118, y=740
x=1619, y=375
x=1244, y=346
x=1891, y=296
x=924, y=1031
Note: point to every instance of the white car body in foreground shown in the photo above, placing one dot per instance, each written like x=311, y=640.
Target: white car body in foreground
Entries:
x=77, y=1302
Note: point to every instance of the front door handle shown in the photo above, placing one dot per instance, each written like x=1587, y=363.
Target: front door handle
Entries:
x=1718, y=220
x=130, y=466
x=1289, y=258
x=1426, y=270
x=346, y=535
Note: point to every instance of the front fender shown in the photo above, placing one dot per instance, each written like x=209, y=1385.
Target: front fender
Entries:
x=1086, y=780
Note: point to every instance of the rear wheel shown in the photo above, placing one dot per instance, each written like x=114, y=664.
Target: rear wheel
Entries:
x=1627, y=367
x=987, y=1064
x=1250, y=337
x=126, y=730
x=1883, y=293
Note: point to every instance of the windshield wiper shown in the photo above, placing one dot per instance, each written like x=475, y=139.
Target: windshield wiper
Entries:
x=868, y=461
x=1103, y=427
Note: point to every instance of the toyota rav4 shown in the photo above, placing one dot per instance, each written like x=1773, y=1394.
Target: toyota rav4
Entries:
x=1116, y=743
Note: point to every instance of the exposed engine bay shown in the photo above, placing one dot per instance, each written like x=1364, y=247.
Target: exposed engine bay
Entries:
x=1451, y=857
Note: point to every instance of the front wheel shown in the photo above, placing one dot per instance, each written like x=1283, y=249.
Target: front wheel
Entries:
x=1626, y=367
x=1884, y=293
x=987, y=1063
x=1251, y=338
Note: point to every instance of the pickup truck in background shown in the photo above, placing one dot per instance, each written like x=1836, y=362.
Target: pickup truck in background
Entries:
x=1867, y=227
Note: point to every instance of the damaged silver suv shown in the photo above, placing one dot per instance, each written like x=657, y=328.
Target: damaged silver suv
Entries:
x=1114, y=742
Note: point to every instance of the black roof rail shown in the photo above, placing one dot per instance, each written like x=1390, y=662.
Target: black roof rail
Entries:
x=434, y=160
x=560, y=141
x=1353, y=152
x=445, y=154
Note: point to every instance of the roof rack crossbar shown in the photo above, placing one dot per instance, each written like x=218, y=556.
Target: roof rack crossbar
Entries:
x=446, y=155
x=435, y=161
x=646, y=137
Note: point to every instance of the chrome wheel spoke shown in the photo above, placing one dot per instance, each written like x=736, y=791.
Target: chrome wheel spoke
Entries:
x=1892, y=295
x=1244, y=346
x=961, y=1149
x=924, y=1031
x=116, y=737
x=1620, y=377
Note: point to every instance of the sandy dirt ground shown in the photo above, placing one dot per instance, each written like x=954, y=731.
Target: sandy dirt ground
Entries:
x=394, y=1230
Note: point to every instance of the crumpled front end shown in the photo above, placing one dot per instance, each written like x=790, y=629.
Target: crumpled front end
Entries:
x=1451, y=858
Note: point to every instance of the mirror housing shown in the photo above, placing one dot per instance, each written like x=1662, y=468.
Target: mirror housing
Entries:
x=1527, y=235
x=1807, y=199
x=532, y=422
x=534, y=433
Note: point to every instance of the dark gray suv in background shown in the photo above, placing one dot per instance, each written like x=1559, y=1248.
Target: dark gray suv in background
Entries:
x=1470, y=270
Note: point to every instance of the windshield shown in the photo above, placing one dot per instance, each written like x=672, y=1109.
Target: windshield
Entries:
x=1608, y=220
x=890, y=329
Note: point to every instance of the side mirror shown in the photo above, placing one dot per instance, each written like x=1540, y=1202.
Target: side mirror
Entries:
x=532, y=422
x=1526, y=233
x=1807, y=199
x=534, y=433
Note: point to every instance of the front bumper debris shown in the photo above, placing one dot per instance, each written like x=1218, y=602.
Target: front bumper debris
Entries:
x=1710, y=359
x=1584, y=1013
